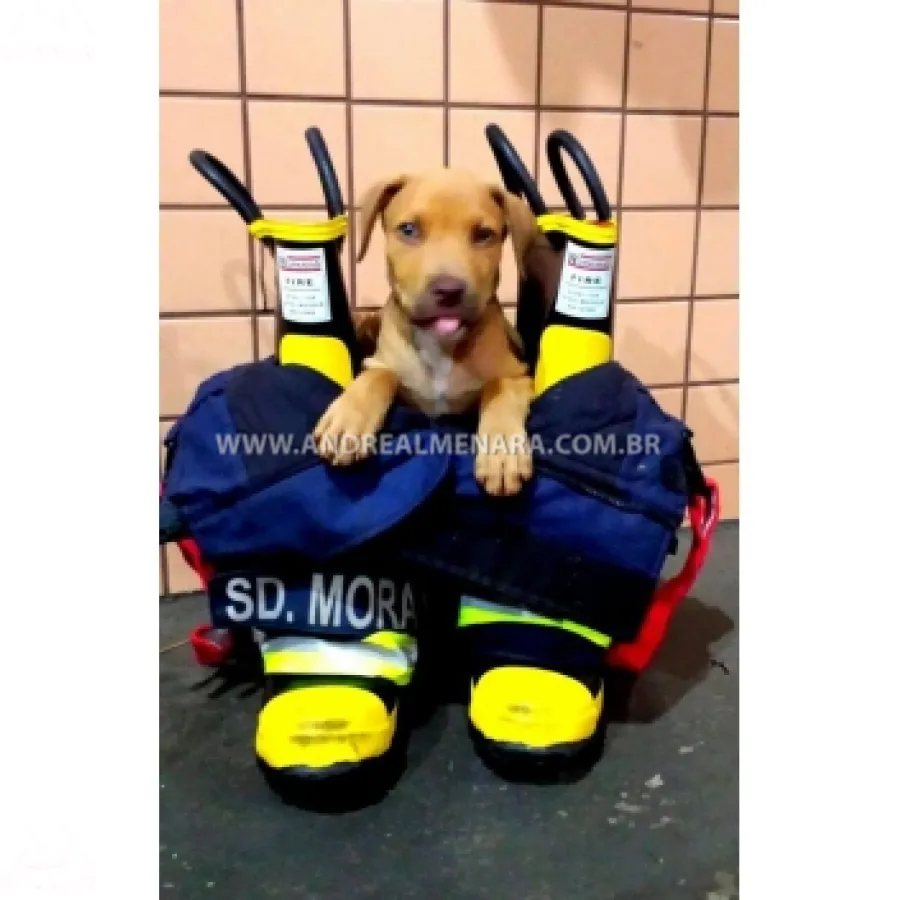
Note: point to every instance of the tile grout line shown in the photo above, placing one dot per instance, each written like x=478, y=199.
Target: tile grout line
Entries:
x=538, y=93
x=446, y=81
x=248, y=177
x=620, y=186
x=653, y=386
x=185, y=314
x=350, y=247
x=217, y=207
x=169, y=315
x=617, y=7
x=313, y=207
x=708, y=382
x=458, y=104
x=164, y=567
x=698, y=214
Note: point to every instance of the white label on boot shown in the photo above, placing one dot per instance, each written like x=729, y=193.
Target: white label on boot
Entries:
x=303, y=284
x=585, y=285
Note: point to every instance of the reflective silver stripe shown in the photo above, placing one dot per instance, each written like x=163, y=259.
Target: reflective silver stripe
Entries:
x=496, y=608
x=356, y=658
x=474, y=611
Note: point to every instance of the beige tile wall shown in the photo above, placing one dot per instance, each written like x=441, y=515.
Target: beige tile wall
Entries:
x=649, y=86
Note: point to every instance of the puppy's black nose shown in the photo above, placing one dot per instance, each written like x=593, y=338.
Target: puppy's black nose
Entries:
x=448, y=291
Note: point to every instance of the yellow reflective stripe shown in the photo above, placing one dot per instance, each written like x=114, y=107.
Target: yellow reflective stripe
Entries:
x=300, y=232
x=393, y=640
x=481, y=612
x=605, y=234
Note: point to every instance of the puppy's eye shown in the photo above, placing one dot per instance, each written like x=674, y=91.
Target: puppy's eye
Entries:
x=409, y=231
x=483, y=235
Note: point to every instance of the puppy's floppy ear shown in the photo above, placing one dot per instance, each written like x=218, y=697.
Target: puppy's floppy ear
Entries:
x=372, y=205
x=521, y=224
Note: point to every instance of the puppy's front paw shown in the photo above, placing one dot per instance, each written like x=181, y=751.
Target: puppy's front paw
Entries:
x=503, y=463
x=347, y=431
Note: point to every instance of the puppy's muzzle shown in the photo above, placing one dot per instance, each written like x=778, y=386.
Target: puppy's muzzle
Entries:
x=447, y=292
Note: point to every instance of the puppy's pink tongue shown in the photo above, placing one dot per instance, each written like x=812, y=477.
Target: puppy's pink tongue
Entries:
x=445, y=324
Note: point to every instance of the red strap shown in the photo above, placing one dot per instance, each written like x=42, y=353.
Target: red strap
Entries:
x=704, y=515
x=211, y=647
x=191, y=553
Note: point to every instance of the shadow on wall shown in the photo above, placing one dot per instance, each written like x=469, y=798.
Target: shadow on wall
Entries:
x=583, y=64
x=701, y=370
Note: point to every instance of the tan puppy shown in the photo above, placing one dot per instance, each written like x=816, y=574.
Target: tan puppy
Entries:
x=443, y=344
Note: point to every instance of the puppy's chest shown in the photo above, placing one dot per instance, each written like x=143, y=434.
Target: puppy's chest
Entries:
x=435, y=383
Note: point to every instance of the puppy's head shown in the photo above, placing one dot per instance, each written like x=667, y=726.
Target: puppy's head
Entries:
x=444, y=234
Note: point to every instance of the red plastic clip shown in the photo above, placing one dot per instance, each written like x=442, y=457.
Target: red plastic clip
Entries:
x=212, y=646
x=704, y=516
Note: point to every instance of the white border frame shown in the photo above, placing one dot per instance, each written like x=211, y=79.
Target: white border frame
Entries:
x=79, y=794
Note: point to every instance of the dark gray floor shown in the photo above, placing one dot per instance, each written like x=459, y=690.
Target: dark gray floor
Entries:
x=656, y=819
